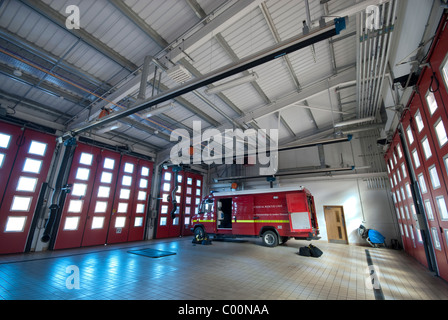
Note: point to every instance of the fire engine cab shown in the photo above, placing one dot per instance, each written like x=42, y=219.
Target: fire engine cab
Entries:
x=275, y=215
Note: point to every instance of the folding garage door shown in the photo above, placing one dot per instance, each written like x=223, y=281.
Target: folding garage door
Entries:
x=188, y=195
x=109, y=199
x=25, y=158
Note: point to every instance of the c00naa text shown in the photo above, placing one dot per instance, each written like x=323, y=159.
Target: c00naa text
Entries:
x=228, y=309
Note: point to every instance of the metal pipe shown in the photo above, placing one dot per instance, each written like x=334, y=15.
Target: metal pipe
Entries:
x=386, y=58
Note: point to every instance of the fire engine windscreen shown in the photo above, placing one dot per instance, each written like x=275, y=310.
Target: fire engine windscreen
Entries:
x=206, y=206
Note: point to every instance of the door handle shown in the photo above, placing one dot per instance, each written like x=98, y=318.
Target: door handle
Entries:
x=256, y=218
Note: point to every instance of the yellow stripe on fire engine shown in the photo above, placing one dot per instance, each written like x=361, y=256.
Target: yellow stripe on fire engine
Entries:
x=262, y=221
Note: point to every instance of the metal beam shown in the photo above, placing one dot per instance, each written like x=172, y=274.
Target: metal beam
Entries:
x=259, y=58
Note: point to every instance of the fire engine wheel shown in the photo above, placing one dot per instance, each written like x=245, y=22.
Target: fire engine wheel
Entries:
x=199, y=233
x=270, y=239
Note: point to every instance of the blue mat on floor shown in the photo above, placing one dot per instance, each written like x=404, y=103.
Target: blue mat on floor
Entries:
x=152, y=253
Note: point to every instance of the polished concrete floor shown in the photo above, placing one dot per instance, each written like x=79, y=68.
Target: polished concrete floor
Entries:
x=221, y=271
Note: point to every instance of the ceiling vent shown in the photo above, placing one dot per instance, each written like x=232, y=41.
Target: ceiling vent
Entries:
x=179, y=74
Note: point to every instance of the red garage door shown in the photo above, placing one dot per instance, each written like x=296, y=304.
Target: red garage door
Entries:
x=109, y=199
x=25, y=158
x=188, y=196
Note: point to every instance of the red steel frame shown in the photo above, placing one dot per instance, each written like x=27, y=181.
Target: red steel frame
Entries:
x=13, y=168
x=433, y=164
x=188, y=197
x=127, y=199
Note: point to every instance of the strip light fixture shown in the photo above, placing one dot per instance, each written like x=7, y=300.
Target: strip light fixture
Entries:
x=233, y=83
x=356, y=121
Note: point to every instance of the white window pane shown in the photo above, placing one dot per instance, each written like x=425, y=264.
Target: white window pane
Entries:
x=432, y=103
x=411, y=231
x=143, y=183
x=176, y=221
x=391, y=182
x=429, y=213
x=127, y=180
x=82, y=174
x=419, y=235
x=426, y=148
x=21, y=203
x=402, y=213
x=100, y=206
x=402, y=193
x=103, y=192
x=395, y=158
x=71, y=223
x=167, y=176
x=178, y=199
x=179, y=178
x=140, y=208
x=166, y=187
x=97, y=222
x=419, y=121
x=442, y=207
x=189, y=181
x=441, y=133
x=4, y=140
x=435, y=238
x=410, y=135
x=125, y=193
x=398, y=195
x=141, y=195
x=106, y=177
x=122, y=207
x=198, y=183
x=416, y=158
x=395, y=179
x=145, y=171
x=2, y=158
x=128, y=167
x=422, y=183
x=32, y=166
x=138, y=222
x=179, y=189
x=15, y=224
x=401, y=229
x=79, y=189
x=187, y=210
x=387, y=165
x=75, y=206
x=434, y=177
x=445, y=160
x=445, y=72
x=399, y=175
x=163, y=221
x=189, y=190
x=403, y=170
x=165, y=197
x=407, y=212
x=120, y=222
x=37, y=148
x=406, y=230
x=109, y=163
x=26, y=184
x=400, y=153
x=187, y=220
x=164, y=209
x=86, y=158
x=408, y=190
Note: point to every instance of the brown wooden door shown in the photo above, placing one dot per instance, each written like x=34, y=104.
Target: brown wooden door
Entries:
x=335, y=221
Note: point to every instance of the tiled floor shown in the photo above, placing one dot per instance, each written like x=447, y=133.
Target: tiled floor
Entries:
x=223, y=270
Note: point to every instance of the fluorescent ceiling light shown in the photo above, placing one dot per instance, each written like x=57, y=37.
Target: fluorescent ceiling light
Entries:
x=356, y=121
x=233, y=83
x=113, y=126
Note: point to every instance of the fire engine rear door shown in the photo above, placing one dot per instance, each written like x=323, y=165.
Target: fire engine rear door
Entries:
x=298, y=210
x=243, y=222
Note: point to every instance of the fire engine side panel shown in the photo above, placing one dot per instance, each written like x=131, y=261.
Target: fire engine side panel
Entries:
x=270, y=210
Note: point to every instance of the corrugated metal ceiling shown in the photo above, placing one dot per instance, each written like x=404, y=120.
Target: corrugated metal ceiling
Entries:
x=97, y=70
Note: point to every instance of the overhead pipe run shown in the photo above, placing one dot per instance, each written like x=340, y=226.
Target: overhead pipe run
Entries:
x=272, y=53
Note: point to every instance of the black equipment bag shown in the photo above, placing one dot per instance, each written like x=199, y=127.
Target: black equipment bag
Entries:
x=304, y=251
x=315, y=251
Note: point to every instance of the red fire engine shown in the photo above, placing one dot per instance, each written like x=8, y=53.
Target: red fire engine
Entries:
x=275, y=215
